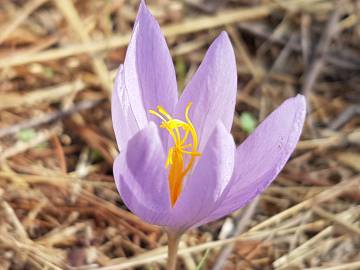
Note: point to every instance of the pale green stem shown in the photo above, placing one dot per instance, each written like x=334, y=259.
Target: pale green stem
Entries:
x=173, y=245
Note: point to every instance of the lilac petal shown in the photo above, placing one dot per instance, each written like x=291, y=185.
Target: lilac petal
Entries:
x=212, y=90
x=261, y=157
x=146, y=80
x=141, y=178
x=205, y=186
x=127, y=112
x=148, y=65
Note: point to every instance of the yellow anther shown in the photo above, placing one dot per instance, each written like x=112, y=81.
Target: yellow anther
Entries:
x=164, y=112
x=179, y=131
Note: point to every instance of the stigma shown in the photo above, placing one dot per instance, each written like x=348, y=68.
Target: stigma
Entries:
x=181, y=155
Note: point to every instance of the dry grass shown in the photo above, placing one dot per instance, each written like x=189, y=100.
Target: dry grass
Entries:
x=58, y=205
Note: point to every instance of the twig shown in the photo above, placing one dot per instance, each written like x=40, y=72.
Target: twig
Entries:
x=20, y=146
x=345, y=266
x=302, y=250
x=48, y=118
x=244, y=221
x=243, y=51
x=19, y=18
x=188, y=26
x=345, y=116
x=70, y=13
x=47, y=94
x=316, y=66
x=325, y=195
x=333, y=58
x=305, y=39
x=10, y=213
x=337, y=220
x=59, y=152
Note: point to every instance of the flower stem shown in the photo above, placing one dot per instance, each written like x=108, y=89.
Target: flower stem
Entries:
x=173, y=244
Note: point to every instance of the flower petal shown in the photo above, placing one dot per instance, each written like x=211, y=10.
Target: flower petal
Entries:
x=127, y=111
x=206, y=185
x=148, y=65
x=212, y=90
x=141, y=178
x=261, y=157
x=146, y=80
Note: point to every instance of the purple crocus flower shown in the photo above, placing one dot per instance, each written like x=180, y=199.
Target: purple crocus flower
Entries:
x=179, y=167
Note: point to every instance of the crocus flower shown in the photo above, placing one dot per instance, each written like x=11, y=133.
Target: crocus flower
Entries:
x=178, y=166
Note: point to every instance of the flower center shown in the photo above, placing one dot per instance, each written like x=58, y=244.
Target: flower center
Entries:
x=183, y=146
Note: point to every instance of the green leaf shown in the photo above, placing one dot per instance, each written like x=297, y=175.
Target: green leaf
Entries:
x=248, y=122
x=202, y=261
x=26, y=135
x=48, y=72
x=42, y=145
x=95, y=155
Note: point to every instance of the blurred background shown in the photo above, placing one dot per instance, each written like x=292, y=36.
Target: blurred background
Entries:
x=59, y=208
